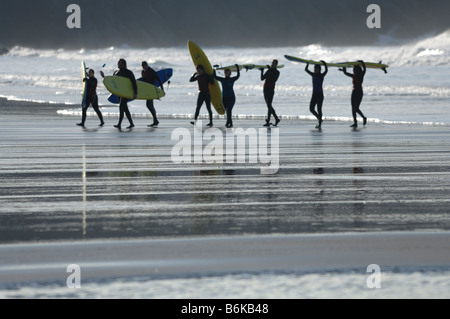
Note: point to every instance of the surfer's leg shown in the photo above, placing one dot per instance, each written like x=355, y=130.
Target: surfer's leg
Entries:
x=312, y=106
x=121, y=113
x=151, y=108
x=355, y=107
x=271, y=109
x=360, y=97
x=128, y=114
x=268, y=96
x=230, y=111
x=200, y=101
x=319, y=108
x=208, y=107
x=83, y=115
x=97, y=110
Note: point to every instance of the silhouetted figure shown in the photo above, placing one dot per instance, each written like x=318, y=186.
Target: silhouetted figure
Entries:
x=357, y=94
x=203, y=80
x=150, y=76
x=317, y=95
x=91, y=98
x=123, y=107
x=228, y=96
x=270, y=78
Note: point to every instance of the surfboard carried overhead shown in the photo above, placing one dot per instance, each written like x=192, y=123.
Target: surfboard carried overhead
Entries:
x=300, y=60
x=246, y=66
x=164, y=75
x=84, y=82
x=122, y=86
x=369, y=65
x=200, y=58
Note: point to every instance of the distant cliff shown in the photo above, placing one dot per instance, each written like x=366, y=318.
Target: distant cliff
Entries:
x=149, y=23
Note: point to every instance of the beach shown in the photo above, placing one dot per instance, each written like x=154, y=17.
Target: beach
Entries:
x=116, y=202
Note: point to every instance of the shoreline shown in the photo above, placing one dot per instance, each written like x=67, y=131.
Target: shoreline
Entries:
x=67, y=110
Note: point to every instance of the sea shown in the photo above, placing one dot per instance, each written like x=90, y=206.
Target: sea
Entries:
x=416, y=89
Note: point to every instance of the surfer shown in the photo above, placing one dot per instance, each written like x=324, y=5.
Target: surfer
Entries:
x=228, y=96
x=123, y=71
x=203, y=80
x=317, y=95
x=270, y=77
x=150, y=76
x=91, y=98
x=357, y=94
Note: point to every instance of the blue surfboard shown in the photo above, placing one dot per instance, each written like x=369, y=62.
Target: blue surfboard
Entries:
x=164, y=75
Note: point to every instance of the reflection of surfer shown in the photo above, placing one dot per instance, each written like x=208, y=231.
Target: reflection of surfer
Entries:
x=203, y=80
x=357, y=94
x=91, y=98
x=123, y=71
x=150, y=76
x=228, y=96
x=270, y=77
x=317, y=95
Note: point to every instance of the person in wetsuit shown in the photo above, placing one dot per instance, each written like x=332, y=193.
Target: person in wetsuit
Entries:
x=123, y=107
x=91, y=98
x=203, y=80
x=228, y=96
x=270, y=78
x=150, y=76
x=357, y=94
x=317, y=95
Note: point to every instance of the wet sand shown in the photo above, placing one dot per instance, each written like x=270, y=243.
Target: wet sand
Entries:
x=73, y=187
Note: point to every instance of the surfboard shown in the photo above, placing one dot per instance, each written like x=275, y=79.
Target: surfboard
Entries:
x=300, y=60
x=200, y=58
x=164, y=75
x=83, y=79
x=122, y=86
x=369, y=65
x=245, y=66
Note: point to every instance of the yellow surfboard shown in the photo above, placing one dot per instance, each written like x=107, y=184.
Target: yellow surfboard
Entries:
x=83, y=79
x=200, y=58
x=369, y=65
x=122, y=86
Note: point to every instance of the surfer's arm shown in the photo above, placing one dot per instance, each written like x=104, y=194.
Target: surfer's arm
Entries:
x=238, y=72
x=307, y=70
x=133, y=81
x=263, y=76
x=194, y=77
x=211, y=79
x=346, y=73
x=363, y=67
x=160, y=82
x=326, y=68
x=218, y=78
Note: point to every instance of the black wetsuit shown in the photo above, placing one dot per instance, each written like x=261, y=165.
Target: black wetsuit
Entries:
x=317, y=95
x=150, y=76
x=357, y=94
x=91, y=99
x=124, y=102
x=228, y=96
x=203, y=96
x=270, y=77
